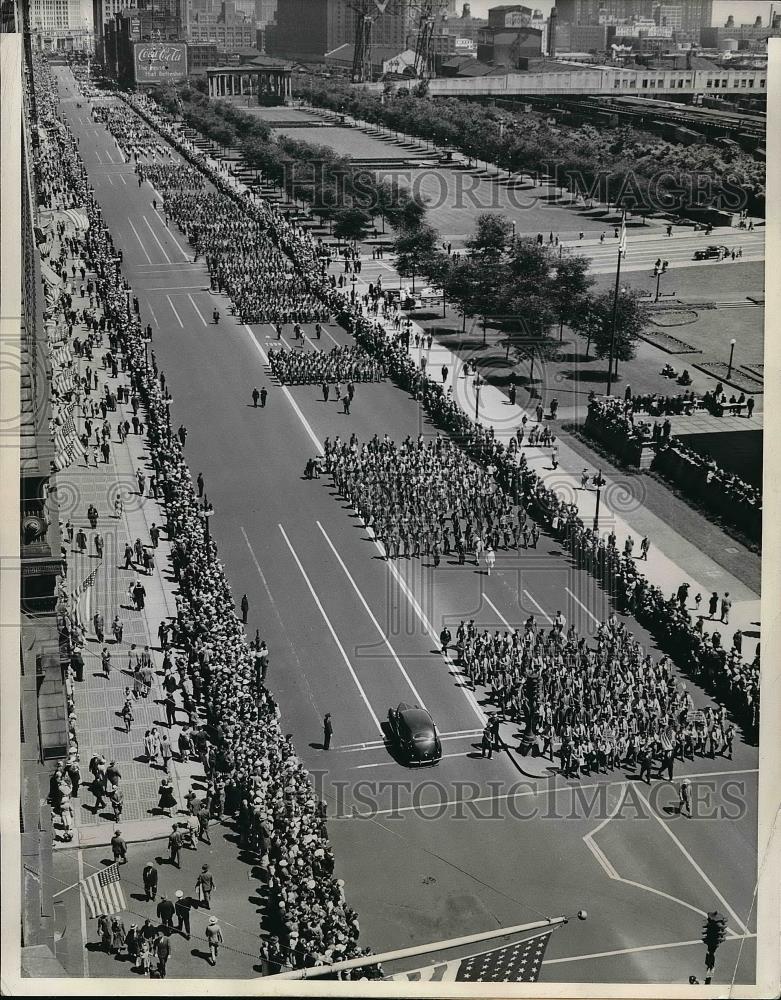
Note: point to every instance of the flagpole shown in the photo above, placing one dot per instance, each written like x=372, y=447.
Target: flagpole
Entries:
x=388, y=956
x=621, y=245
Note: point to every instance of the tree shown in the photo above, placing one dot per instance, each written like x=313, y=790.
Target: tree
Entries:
x=409, y=212
x=414, y=249
x=491, y=235
x=351, y=223
x=572, y=284
x=632, y=317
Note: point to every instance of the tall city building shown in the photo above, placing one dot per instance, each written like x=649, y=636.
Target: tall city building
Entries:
x=696, y=15
x=104, y=11
x=58, y=24
x=307, y=29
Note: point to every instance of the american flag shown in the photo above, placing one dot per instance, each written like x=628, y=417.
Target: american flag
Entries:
x=84, y=585
x=514, y=963
x=102, y=892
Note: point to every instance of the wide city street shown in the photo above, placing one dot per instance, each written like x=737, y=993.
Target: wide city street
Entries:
x=477, y=842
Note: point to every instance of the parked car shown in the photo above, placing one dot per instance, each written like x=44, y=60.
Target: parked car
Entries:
x=414, y=735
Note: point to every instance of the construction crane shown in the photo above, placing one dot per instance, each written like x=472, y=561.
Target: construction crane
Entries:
x=428, y=11
x=366, y=12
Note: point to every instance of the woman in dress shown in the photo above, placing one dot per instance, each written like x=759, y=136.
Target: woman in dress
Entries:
x=167, y=801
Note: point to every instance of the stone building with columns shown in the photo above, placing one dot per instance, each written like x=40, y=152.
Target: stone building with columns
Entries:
x=263, y=78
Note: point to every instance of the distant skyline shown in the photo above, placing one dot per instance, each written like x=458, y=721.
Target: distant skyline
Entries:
x=744, y=11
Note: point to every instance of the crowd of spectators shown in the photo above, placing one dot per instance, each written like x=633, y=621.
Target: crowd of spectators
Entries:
x=268, y=791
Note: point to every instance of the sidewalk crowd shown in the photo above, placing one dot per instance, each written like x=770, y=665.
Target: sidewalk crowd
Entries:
x=257, y=778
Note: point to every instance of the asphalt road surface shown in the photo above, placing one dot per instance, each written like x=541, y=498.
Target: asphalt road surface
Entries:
x=354, y=635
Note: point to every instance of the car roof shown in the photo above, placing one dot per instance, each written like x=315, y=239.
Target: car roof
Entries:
x=415, y=717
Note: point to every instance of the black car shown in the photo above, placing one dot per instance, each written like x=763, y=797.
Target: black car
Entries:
x=414, y=734
x=710, y=253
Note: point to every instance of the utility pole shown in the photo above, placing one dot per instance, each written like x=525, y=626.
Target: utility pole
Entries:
x=621, y=251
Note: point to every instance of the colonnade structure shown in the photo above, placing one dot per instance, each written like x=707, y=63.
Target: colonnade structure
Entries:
x=259, y=77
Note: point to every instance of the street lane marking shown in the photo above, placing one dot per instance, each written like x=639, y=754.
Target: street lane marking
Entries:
x=140, y=243
x=157, y=241
x=695, y=866
x=286, y=392
x=612, y=873
x=539, y=607
x=331, y=629
x=149, y=307
x=632, y=951
x=385, y=763
x=497, y=611
x=108, y=155
x=195, y=307
x=582, y=605
x=97, y=154
x=122, y=178
x=108, y=178
x=376, y=744
x=170, y=303
x=370, y=613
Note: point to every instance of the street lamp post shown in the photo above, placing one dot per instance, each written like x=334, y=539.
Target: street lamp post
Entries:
x=147, y=342
x=477, y=395
x=599, y=482
x=731, y=355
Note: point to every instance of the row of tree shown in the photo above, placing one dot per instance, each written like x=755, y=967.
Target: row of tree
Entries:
x=623, y=165
x=524, y=287
x=338, y=190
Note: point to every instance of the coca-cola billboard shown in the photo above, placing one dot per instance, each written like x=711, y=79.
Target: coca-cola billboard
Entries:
x=160, y=62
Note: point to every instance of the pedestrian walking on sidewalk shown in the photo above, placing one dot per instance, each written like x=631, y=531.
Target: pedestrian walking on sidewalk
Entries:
x=105, y=662
x=255, y=398
x=117, y=799
x=99, y=625
x=151, y=746
x=263, y=396
x=98, y=542
x=713, y=604
x=81, y=540
x=127, y=714
x=169, y=703
x=166, y=802
x=166, y=752
x=328, y=731
x=726, y=607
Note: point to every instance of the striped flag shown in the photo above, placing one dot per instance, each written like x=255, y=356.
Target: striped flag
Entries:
x=84, y=585
x=102, y=892
x=520, y=962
